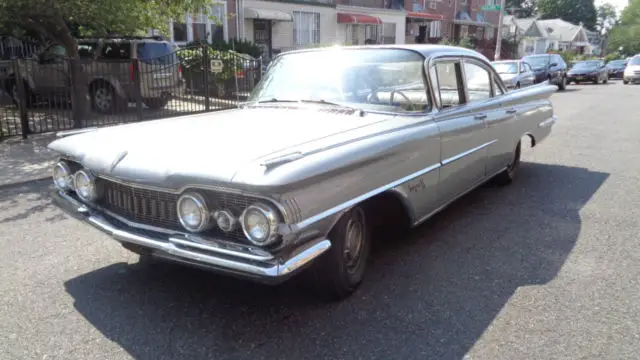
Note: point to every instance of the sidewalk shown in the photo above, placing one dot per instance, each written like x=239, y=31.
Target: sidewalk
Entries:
x=25, y=160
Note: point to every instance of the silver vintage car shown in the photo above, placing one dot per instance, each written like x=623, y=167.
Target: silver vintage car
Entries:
x=332, y=144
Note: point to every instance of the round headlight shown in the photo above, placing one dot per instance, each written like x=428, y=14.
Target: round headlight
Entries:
x=225, y=220
x=85, y=185
x=193, y=212
x=62, y=176
x=259, y=224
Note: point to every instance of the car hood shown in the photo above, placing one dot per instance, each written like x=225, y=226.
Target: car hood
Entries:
x=631, y=68
x=213, y=147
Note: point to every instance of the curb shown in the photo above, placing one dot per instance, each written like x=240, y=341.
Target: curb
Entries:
x=23, y=182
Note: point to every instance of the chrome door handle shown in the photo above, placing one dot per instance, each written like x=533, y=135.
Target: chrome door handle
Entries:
x=511, y=111
x=480, y=117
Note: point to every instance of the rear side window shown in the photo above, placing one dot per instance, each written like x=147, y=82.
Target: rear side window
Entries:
x=448, y=85
x=87, y=50
x=156, y=53
x=478, y=81
x=116, y=51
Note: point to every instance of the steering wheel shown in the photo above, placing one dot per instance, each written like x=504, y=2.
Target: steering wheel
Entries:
x=392, y=95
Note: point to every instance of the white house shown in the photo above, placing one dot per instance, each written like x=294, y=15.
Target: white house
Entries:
x=539, y=36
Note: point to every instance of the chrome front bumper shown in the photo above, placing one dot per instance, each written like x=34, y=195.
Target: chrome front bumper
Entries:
x=221, y=256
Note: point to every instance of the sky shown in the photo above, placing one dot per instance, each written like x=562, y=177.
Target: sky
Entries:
x=619, y=4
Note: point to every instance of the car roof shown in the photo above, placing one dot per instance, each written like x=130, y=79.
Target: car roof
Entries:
x=427, y=50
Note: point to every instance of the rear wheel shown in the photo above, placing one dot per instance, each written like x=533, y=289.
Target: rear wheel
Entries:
x=625, y=82
x=104, y=99
x=507, y=176
x=156, y=104
x=340, y=271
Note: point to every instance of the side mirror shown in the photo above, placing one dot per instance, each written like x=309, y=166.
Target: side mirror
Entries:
x=553, y=65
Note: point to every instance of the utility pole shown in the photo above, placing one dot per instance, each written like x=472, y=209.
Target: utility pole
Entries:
x=499, y=36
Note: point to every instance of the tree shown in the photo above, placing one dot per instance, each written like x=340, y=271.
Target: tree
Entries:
x=607, y=17
x=59, y=21
x=626, y=33
x=573, y=11
x=521, y=8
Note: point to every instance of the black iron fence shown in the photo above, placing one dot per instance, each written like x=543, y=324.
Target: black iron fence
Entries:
x=48, y=93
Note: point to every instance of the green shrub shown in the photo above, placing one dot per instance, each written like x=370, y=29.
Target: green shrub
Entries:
x=192, y=62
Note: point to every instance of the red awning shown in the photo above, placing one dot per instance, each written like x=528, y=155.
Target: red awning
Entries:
x=348, y=18
x=424, y=15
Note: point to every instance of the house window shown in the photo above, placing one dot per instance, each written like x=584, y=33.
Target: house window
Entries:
x=217, y=23
x=389, y=33
x=488, y=34
x=179, y=32
x=306, y=28
x=435, y=29
x=372, y=32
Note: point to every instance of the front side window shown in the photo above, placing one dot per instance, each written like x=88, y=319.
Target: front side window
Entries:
x=370, y=79
x=477, y=80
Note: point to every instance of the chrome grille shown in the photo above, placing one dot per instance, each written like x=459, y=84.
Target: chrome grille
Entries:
x=158, y=208
x=143, y=206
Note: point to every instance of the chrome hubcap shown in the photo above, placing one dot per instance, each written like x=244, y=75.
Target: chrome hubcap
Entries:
x=355, y=234
x=102, y=98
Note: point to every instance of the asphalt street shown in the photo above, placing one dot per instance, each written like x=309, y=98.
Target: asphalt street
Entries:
x=547, y=268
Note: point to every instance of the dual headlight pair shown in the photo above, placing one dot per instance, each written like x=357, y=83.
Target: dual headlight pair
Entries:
x=82, y=182
x=259, y=221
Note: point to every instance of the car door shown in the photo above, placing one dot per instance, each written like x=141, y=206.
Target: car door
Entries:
x=501, y=129
x=462, y=129
x=529, y=76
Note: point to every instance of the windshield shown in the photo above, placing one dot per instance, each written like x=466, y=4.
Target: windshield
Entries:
x=586, y=65
x=537, y=62
x=156, y=53
x=506, y=68
x=370, y=79
x=635, y=61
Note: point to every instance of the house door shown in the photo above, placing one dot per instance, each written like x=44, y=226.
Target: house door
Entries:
x=262, y=36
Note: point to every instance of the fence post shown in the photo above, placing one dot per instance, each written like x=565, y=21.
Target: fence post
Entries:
x=137, y=85
x=206, y=66
x=22, y=100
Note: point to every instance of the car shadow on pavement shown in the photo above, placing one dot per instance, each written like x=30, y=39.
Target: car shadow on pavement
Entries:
x=428, y=296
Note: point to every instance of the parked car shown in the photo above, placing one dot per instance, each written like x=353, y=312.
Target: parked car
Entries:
x=370, y=137
x=549, y=67
x=588, y=71
x=632, y=71
x=515, y=73
x=108, y=67
x=615, y=68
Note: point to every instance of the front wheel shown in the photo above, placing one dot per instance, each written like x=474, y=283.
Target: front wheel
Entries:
x=508, y=174
x=339, y=271
x=563, y=83
x=625, y=82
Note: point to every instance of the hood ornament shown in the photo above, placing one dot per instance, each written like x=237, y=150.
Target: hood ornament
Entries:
x=117, y=160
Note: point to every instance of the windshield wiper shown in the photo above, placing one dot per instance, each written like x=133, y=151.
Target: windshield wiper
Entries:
x=274, y=100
